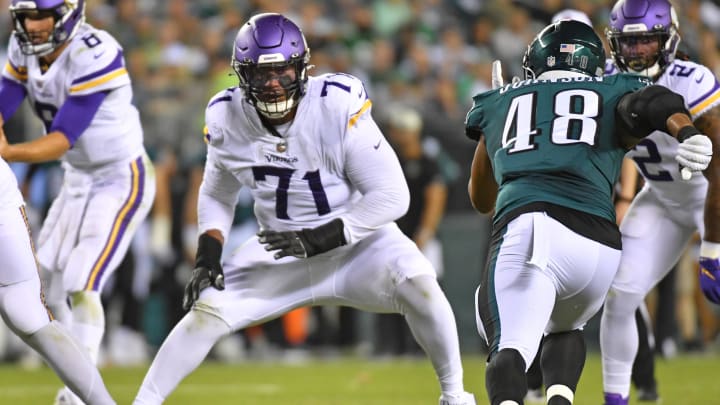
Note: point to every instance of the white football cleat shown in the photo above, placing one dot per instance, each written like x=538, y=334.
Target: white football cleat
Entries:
x=464, y=398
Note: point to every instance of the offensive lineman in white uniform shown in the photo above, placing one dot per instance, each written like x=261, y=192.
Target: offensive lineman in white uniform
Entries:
x=327, y=187
x=668, y=210
x=75, y=78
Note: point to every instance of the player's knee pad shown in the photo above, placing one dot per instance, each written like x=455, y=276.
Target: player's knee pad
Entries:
x=563, y=358
x=621, y=303
x=505, y=377
x=22, y=307
x=419, y=293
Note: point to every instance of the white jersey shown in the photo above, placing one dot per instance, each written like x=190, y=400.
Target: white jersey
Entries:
x=655, y=155
x=93, y=62
x=10, y=196
x=331, y=162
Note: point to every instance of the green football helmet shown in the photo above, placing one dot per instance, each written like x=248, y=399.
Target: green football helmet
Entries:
x=565, y=45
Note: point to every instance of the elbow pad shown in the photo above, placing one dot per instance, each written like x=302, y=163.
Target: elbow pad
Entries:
x=648, y=109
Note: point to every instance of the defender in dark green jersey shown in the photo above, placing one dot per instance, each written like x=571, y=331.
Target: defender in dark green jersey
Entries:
x=549, y=151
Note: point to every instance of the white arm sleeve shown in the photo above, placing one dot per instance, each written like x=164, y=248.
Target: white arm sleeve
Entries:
x=217, y=199
x=373, y=168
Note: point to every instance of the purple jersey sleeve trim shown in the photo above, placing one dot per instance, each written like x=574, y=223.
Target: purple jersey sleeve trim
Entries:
x=11, y=94
x=705, y=96
x=115, y=64
x=76, y=114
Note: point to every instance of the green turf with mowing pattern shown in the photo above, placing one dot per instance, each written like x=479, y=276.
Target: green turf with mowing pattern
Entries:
x=683, y=381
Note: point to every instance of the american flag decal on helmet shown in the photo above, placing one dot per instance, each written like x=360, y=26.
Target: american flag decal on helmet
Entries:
x=570, y=48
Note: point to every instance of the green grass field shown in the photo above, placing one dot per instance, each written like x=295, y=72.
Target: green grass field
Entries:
x=683, y=381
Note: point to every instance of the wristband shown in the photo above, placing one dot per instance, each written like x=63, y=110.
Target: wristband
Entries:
x=710, y=250
x=208, y=252
x=686, y=132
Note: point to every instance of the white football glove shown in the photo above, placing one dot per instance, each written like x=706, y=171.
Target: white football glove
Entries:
x=694, y=154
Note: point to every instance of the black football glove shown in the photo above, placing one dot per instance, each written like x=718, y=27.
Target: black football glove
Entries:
x=207, y=272
x=307, y=242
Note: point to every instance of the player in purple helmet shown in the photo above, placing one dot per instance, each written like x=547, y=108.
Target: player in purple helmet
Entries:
x=644, y=37
x=327, y=188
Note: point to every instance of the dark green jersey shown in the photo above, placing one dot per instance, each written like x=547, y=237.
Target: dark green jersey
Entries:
x=554, y=141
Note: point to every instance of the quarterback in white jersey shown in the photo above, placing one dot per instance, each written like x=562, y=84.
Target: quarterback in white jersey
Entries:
x=668, y=210
x=327, y=187
x=75, y=79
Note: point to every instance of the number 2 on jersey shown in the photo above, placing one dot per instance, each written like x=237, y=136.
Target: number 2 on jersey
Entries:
x=281, y=193
x=575, y=120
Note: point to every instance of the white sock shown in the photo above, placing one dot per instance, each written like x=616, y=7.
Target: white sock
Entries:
x=431, y=320
x=561, y=391
x=71, y=363
x=183, y=351
x=88, y=321
x=618, y=341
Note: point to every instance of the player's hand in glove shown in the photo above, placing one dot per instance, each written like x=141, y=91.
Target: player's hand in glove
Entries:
x=695, y=153
x=207, y=272
x=710, y=278
x=307, y=242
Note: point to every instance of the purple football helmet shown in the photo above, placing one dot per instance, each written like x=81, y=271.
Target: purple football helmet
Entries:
x=68, y=15
x=637, y=22
x=271, y=47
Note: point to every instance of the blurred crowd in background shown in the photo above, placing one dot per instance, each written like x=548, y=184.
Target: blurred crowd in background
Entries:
x=421, y=61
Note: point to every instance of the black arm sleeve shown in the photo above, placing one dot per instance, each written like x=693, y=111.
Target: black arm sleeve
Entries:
x=648, y=109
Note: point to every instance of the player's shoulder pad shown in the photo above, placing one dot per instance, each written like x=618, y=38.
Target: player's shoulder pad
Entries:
x=219, y=104
x=341, y=92
x=697, y=84
x=475, y=117
x=216, y=114
x=222, y=97
x=91, y=48
x=473, y=120
x=96, y=62
x=16, y=65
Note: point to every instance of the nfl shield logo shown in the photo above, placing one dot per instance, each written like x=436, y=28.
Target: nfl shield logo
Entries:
x=551, y=61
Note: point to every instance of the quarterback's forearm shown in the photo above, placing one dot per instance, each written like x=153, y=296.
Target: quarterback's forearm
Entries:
x=50, y=147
